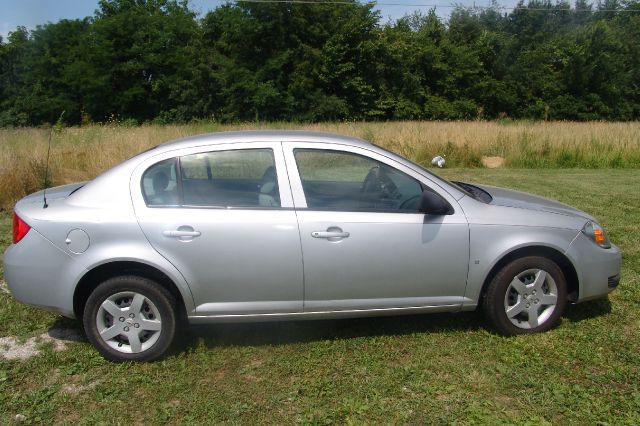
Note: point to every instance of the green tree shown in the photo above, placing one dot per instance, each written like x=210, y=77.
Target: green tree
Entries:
x=13, y=71
x=154, y=60
x=136, y=53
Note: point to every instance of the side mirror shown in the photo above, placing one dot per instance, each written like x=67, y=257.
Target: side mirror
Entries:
x=432, y=203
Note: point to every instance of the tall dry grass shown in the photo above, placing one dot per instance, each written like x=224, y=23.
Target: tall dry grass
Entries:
x=81, y=153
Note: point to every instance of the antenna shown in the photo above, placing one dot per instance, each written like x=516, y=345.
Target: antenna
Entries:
x=46, y=171
x=56, y=126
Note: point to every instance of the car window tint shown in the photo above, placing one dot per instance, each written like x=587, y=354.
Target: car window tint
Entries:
x=195, y=167
x=336, y=180
x=235, y=178
x=160, y=184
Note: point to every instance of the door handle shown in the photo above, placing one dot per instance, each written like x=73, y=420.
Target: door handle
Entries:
x=329, y=234
x=333, y=233
x=181, y=233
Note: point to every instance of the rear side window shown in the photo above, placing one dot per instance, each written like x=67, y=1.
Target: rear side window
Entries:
x=160, y=184
x=234, y=178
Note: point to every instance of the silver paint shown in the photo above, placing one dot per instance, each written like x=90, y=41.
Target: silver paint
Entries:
x=291, y=262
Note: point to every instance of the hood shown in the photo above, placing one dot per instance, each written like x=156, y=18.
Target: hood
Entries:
x=523, y=200
x=55, y=193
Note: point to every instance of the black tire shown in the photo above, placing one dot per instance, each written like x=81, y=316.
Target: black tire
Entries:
x=158, y=306
x=500, y=296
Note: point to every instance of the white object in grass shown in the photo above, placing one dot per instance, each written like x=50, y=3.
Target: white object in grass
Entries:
x=438, y=161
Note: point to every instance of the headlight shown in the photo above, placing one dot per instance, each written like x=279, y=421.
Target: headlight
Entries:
x=596, y=233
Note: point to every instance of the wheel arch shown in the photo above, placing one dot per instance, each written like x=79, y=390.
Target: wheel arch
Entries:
x=567, y=267
x=102, y=272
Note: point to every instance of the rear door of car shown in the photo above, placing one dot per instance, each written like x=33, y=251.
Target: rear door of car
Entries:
x=223, y=215
x=366, y=245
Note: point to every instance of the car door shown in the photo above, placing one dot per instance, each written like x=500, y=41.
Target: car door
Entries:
x=365, y=243
x=222, y=214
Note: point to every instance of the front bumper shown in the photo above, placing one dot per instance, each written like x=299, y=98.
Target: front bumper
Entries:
x=598, y=269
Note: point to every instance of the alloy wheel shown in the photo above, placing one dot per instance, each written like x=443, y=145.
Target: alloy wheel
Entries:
x=531, y=298
x=129, y=322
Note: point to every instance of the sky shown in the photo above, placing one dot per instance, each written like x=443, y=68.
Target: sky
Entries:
x=30, y=13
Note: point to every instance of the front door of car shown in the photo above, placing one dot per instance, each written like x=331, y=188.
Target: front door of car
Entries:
x=223, y=216
x=365, y=243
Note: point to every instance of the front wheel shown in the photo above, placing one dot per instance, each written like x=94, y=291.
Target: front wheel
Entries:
x=527, y=295
x=130, y=319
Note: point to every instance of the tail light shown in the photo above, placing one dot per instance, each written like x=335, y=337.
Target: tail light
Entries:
x=20, y=228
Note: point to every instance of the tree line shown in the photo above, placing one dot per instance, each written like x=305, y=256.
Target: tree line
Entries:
x=157, y=61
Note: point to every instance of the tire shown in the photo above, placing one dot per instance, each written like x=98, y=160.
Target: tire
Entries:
x=528, y=295
x=120, y=334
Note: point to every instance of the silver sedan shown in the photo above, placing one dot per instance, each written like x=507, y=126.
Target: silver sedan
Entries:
x=255, y=226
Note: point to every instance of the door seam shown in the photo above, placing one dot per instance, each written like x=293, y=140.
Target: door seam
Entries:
x=295, y=209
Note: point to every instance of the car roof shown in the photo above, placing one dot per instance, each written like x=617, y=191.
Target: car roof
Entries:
x=262, y=136
x=123, y=170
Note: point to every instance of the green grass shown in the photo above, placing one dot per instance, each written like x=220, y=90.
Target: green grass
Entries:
x=419, y=369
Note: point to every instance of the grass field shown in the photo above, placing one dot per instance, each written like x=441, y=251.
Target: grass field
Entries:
x=431, y=369
x=81, y=153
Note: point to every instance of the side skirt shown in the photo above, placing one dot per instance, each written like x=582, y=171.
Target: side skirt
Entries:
x=200, y=319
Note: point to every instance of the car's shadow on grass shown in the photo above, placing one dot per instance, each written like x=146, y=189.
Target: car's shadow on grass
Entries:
x=587, y=310
x=67, y=330
x=305, y=331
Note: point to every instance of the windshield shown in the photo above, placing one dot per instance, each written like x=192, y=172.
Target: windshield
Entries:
x=456, y=185
x=472, y=191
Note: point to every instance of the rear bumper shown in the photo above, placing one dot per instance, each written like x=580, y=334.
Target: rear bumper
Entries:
x=598, y=269
x=37, y=273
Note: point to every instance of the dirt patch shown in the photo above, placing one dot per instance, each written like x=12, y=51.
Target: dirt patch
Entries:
x=75, y=389
x=255, y=363
x=492, y=162
x=3, y=287
x=12, y=348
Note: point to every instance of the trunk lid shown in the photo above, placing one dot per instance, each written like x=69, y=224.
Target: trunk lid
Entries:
x=53, y=194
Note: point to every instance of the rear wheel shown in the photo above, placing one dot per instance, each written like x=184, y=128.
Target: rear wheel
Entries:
x=130, y=318
x=527, y=295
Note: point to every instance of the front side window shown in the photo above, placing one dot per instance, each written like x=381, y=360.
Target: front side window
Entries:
x=234, y=178
x=338, y=180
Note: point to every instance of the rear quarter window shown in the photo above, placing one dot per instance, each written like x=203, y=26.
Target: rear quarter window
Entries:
x=160, y=184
